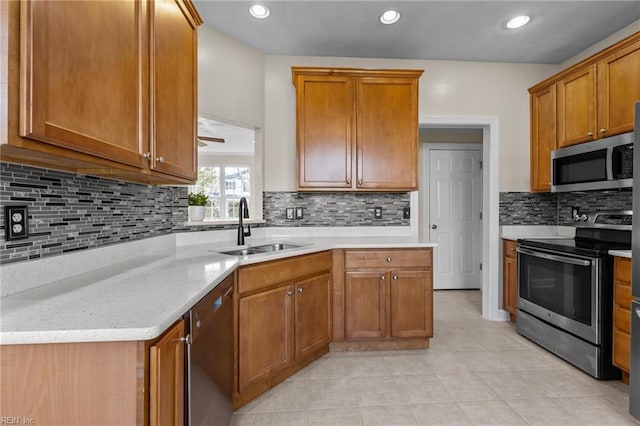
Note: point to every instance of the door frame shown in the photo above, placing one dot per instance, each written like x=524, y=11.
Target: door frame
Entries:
x=425, y=157
x=490, y=125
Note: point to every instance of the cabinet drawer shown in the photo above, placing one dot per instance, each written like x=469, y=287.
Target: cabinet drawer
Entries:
x=623, y=294
x=622, y=319
x=387, y=258
x=264, y=275
x=621, y=349
x=622, y=269
x=509, y=248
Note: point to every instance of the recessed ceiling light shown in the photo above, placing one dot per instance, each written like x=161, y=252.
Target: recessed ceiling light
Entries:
x=390, y=16
x=517, y=22
x=259, y=11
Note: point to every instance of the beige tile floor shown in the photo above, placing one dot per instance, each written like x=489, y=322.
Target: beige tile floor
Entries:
x=476, y=372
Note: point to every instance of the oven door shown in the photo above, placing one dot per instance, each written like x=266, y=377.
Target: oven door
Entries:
x=560, y=289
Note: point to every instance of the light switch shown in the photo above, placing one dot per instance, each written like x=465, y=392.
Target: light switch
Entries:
x=16, y=223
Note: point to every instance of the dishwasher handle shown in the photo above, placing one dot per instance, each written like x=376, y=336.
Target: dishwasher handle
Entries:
x=555, y=258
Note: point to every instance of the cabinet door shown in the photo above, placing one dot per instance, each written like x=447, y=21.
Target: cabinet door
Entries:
x=619, y=90
x=510, y=285
x=365, y=310
x=411, y=304
x=173, y=89
x=166, y=367
x=83, y=84
x=387, y=133
x=543, y=137
x=265, y=329
x=324, y=131
x=577, y=107
x=312, y=314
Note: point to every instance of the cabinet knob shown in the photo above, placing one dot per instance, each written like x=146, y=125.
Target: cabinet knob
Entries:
x=603, y=130
x=300, y=290
x=590, y=134
x=198, y=324
x=382, y=277
x=289, y=292
x=395, y=277
x=360, y=182
x=147, y=155
x=186, y=339
x=348, y=181
x=389, y=259
x=160, y=159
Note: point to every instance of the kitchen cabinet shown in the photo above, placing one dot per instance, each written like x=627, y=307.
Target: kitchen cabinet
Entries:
x=543, y=136
x=622, y=315
x=587, y=101
x=283, y=320
x=130, y=382
x=577, y=107
x=510, y=278
x=357, y=130
x=388, y=295
x=166, y=366
x=102, y=88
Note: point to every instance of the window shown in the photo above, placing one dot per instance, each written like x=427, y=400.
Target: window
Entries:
x=224, y=199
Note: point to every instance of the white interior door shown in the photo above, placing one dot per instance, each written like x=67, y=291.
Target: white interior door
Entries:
x=455, y=221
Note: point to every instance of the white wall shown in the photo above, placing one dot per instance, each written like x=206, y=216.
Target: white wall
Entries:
x=446, y=87
x=230, y=80
x=603, y=44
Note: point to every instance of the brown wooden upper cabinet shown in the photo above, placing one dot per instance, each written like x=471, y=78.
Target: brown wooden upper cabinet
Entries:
x=597, y=100
x=106, y=88
x=357, y=130
x=590, y=100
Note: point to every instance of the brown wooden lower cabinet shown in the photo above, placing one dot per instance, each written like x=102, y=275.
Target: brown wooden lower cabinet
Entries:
x=283, y=320
x=622, y=315
x=166, y=376
x=387, y=295
x=96, y=382
x=510, y=278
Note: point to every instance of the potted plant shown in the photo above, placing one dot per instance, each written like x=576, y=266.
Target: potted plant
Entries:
x=197, y=201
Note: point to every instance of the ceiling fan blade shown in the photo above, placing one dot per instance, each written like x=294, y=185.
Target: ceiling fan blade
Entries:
x=211, y=139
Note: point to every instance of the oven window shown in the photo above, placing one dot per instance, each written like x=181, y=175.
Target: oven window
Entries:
x=559, y=287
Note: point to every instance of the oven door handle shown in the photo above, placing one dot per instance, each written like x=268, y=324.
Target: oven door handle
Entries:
x=555, y=258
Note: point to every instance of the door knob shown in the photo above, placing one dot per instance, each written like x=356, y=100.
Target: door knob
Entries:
x=434, y=226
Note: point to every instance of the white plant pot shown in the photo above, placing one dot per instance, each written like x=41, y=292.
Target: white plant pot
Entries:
x=196, y=213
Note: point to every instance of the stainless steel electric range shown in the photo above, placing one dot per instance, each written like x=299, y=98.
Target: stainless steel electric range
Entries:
x=565, y=290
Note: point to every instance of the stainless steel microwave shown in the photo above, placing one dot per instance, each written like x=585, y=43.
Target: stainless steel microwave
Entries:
x=603, y=164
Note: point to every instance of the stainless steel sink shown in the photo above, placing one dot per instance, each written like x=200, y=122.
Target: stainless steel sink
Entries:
x=266, y=248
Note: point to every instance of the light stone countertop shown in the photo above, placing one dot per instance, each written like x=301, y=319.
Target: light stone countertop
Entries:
x=621, y=253
x=139, y=297
x=515, y=232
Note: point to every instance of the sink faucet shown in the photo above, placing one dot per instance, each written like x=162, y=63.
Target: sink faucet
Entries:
x=243, y=212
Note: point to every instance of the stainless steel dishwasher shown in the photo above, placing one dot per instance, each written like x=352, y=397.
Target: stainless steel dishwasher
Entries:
x=209, y=366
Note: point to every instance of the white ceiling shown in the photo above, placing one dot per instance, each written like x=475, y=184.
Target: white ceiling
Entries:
x=237, y=140
x=448, y=30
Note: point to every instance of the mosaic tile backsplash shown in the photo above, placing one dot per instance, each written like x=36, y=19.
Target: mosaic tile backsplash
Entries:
x=335, y=209
x=525, y=208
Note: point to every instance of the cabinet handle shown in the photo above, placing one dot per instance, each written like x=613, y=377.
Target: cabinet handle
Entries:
x=289, y=292
x=198, y=324
x=186, y=339
x=603, y=130
x=300, y=290
x=360, y=182
x=395, y=277
x=348, y=181
x=382, y=277
x=160, y=159
x=590, y=134
x=147, y=155
x=228, y=292
x=388, y=259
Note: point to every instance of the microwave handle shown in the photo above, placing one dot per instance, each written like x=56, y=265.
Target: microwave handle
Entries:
x=610, y=163
x=555, y=258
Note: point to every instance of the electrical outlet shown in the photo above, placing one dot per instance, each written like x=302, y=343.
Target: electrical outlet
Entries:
x=290, y=213
x=377, y=213
x=406, y=213
x=299, y=213
x=16, y=223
